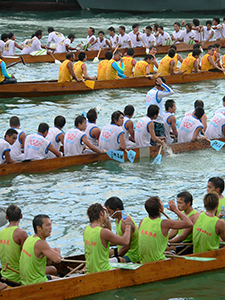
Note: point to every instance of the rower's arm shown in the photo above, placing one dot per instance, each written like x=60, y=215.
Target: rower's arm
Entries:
x=4, y=70
x=130, y=127
x=147, y=69
x=180, y=58
x=123, y=250
x=18, y=46
x=167, y=92
x=91, y=146
x=61, y=138
x=204, y=121
x=172, y=233
x=134, y=62
x=122, y=141
x=54, y=150
x=96, y=133
x=152, y=132
x=196, y=66
x=196, y=133
x=22, y=138
x=44, y=248
x=220, y=229
x=108, y=44
x=129, y=43
x=172, y=66
x=84, y=68
x=214, y=64
x=119, y=69
x=70, y=67
x=8, y=158
x=181, y=237
x=172, y=121
x=155, y=63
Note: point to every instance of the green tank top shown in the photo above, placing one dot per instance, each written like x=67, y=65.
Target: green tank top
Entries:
x=189, y=238
x=96, y=255
x=9, y=253
x=204, y=235
x=32, y=269
x=152, y=243
x=133, y=252
x=221, y=203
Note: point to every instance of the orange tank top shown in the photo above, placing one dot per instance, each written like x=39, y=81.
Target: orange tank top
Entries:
x=188, y=64
x=78, y=69
x=140, y=68
x=205, y=63
x=164, y=66
x=111, y=73
x=127, y=60
x=102, y=66
x=64, y=72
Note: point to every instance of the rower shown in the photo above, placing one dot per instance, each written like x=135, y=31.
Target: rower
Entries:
x=5, y=148
x=217, y=28
x=112, y=135
x=129, y=62
x=102, y=66
x=97, y=239
x=115, y=67
x=187, y=34
x=35, y=253
x=124, y=39
x=142, y=67
x=5, y=77
x=11, y=45
x=191, y=63
x=198, y=103
x=191, y=126
x=66, y=70
x=222, y=109
x=56, y=135
x=177, y=34
x=153, y=231
x=92, y=130
x=4, y=38
x=36, y=146
x=197, y=47
x=64, y=45
x=80, y=68
x=34, y=44
x=208, y=32
x=156, y=33
x=90, y=37
x=114, y=38
x=135, y=36
x=11, y=243
x=155, y=96
x=128, y=127
x=197, y=30
x=129, y=253
x=148, y=37
x=207, y=228
x=54, y=36
x=164, y=37
x=170, y=121
x=101, y=42
x=153, y=51
x=216, y=55
x=168, y=63
x=208, y=62
x=177, y=57
x=144, y=131
x=75, y=139
x=216, y=184
x=216, y=127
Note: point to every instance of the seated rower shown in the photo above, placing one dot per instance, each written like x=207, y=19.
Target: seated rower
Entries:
x=135, y=36
x=64, y=45
x=208, y=32
x=216, y=184
x=97, y=238
x=163, y=36
x=11, y=243
x=35, y=253
x=90, y=38
x=208, y=62
x=101, y=42
x=191, y=126
x=113, y=37
x=191, y=63
x=115, y=67
x=223, y=61
x=11, y=45
x=92, y=130
x=124, y=39
x=5, y=78
x=80, y=68
x=56, y=135
x=33, y=44
x=75, y=139
x=142, y=67
x=5, y=148
x=128, y=127
x=148, y=37
x=177, y=57
x=177, y=34
x=167, y=64
x=102, y=66
x=153, y=51
x=187, y=34
x=112, y=135
x=217, y=27
x=144, y=131
x=66, y=70
x=216, y=127
x=196, y=28
x=197, y=47
x=222, y=109
x=129, y=253
x=153, y=231
x=216, y=55
x=207, y=228
x=36, y=146
x=170, y=121
x=198, y=103
x=4, y=38
x=54, y=36
x=129, y=62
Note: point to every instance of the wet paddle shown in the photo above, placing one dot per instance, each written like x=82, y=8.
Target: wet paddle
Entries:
x=57, y=62
x=157, y=160
x=3, y=220
x=96, y=59
x=131, y=155
x=116, y=155
x=146, y=48
x=203, y=259
x=115, y=49
x=216, y=144
x=17, y=62
x=84, y=114
x=89, y=83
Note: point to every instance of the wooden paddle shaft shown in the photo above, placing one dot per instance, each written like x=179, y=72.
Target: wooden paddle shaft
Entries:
x=142, y=41
x=52, y=56
x=165, y=215
x=73, y=261
x=116, y=49
x=74, y=270
x=99, y=52
x=13, y=64
x=11, y=269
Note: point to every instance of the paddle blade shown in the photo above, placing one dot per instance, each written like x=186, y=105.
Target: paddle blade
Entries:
x=198, y=258
x=90, y=84
x=157, y=160
x=95, y=60
x=57, y=62
x=147, y=51
x=116, y=155
x=217, y=145
x=127, y=266
x=84, y=114
x=131, y=155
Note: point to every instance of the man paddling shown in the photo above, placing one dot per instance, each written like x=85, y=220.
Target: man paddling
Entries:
x=190, y=63
x=102, y=66
x=216, y=127
x=168, y=63
x=64, y=45
x=80, y=69
x=54, y=36
x=128, y=127
x=11, y=45
x=10, y=138
x=142, y=67
x=170, y=121
x=33, y=44
x=207, y=60
x=115, y=67
x=216, y=184
x=129, y=62
x=5, y=77
x=66, y=70
x=92, y=130
x=198, y=103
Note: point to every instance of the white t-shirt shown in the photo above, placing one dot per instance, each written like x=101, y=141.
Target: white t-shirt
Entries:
x=187, y=128
x=61, y=48
x=73, y=144
x=88, y=130
x=123, y=40
x=52, y=136
x=55, y=37
x=215, y=128
x=177, y=35
x=157, y=38
x=88, y=39
x=4, y=146
x=31, y=45
x=16, y=153
x=220, y=110
x=148, y=39
x=167, y=126
x=197, y=35
x=141, y=134
x=134, y=42
x=2, y=45
x=129, y=144
x=109, y=137
x=36, y=147
x=187, y=36
x=100, y=44
x=113, y=40
x=206, y=33
x=162, y=38
x=217, y=32
x=9, y=48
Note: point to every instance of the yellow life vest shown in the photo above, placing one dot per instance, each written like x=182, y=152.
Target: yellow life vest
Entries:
x=164, y=66
x=102, y=66
x=223, y=61
x=188, y=64
x=140, y=68
x=176, y=61
x=127, y=60
x=78, y=69
x=205, y=63
x=111, y=73
x=64, y=72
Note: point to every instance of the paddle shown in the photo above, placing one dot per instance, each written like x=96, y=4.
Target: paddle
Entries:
x=57, y=62
x=165, y=215
x=158, y=158
x=3, y=220
x=89, y=83
x=84, y=114
x=116, y=155
x=95, y=60
x=73, y=261
x=74, y=270
x=131, y=155
x=15, y=63
x=146, y=48
x=11, y=269
x=192, y=257
x=216, y=144
x=116, y=49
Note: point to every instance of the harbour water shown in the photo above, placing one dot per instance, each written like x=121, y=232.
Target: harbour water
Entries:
x=66, y=194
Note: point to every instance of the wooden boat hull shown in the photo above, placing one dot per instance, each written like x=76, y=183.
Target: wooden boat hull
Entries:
x=46, y=165
x=182, y=47
x=98, y=282
x=53, y=88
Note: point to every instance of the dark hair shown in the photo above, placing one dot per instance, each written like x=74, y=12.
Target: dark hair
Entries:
x=135, y=25
x=216, y=45
x=217, y=20
x=208, y=22
x=148, y=56
x=169, y=104
x=223, y=99
x=38, y=32
x=196, y=52
x=43, y=127
x=186, y=196
x=93, y=30
x=148, y=27
x=115, y=116
x=114, y=203
x=108, y=55
x=79, y=120
x=14, y=121
x=92, y=115
x=71, y=36
x=152, y=47
x=128, y=110
x=59, y=121
x=153, y=206
x=171, y=52
x=10, y=35
x=4, y=36
x=130, y=51
x=69, y=55
x=33, y=35
x=81, y=56
x=117, y=51
x=199, y=112
x=94, y=211
x=152, y=110
x=162, y=78
x=38, y=221
x=13, y=213
x=210, y=47
x=196, y=46
x=177, y=23
x=196, y=22
x=173, y=47
x=50, y=29
x=10, y=132
x=156, y=26
x=122, y=27
x=211, y=200
x=101, y=32
x=161, y=27
x=111, y=29
x=199, y=103
x=189, y=25
x=217, y=182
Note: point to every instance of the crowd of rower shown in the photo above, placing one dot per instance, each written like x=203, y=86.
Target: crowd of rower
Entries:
x=192, y=232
